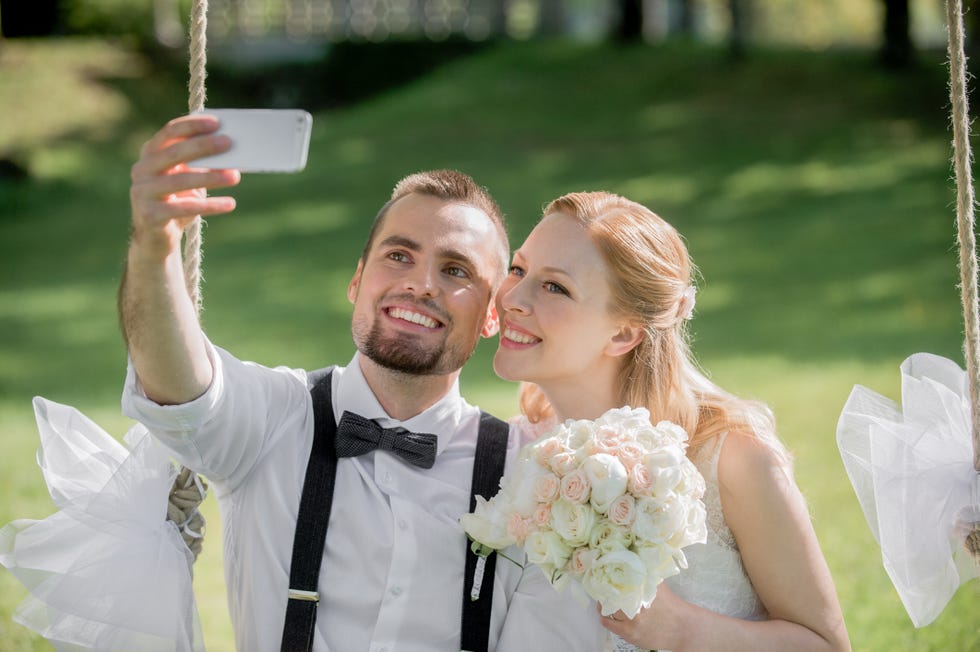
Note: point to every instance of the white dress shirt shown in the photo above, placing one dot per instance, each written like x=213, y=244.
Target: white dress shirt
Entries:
x=392, y=574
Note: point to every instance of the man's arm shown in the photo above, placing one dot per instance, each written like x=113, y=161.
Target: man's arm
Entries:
x=158, y=320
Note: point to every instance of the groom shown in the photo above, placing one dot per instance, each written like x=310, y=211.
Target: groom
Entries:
x=391, y=572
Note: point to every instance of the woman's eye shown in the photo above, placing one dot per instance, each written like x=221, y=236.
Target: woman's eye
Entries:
x=516, y=270
x=554, y=288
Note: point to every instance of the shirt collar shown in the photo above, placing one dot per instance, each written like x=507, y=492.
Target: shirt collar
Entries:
x=443, y=418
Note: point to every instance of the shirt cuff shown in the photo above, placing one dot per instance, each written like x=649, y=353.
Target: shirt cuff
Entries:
x=179, y=420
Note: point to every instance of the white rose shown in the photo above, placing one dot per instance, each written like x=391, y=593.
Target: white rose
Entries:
x=665, y=468
x=608, y=478
x=660, y=562
x=608, y=537
x=546, y=549
x=578, y=434
x=657, y=520
x=572, y=521
x=692, y=482
x=518, y=486
x=616, y=580
x=488, y=524
x=673, y=433
x=693, y=527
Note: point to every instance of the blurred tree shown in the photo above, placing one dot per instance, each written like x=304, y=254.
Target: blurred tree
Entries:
x=551, y=17
x=896, y=45
x=740, y=13
x=167, y=26
x=629, y=28
x=684, y=23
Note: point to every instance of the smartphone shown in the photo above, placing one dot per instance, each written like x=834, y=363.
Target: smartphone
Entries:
x=262, y=140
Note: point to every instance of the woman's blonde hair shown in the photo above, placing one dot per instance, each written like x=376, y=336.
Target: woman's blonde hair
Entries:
x=651, y=285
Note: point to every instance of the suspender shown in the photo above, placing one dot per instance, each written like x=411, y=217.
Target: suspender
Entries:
x=311, y=523
x=314, y=516
x=488, y=467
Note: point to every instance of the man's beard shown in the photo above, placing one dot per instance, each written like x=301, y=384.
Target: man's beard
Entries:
x=406, y=356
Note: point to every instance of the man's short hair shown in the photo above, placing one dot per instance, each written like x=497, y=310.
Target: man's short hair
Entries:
x=452, y=186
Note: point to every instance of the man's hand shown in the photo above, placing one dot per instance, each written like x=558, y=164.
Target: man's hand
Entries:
x=159, y=322
x=167, y=192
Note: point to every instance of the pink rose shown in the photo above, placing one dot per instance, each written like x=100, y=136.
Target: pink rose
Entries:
x=582, y=559
x=519, y=527
x=629, y=453
x=575, y=486
x=641, y=483
x=541, y=514
x=622, y=511
x=563, y=463
x=546, y=449
x=546, y=487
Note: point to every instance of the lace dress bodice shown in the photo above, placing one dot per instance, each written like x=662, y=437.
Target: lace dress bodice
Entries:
x=715, y=578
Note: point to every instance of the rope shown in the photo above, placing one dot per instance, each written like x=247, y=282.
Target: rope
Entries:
x=965, y=203
x=198, y=71
x=189, y=490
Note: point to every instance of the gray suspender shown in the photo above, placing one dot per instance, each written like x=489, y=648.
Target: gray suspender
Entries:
x=314, y=516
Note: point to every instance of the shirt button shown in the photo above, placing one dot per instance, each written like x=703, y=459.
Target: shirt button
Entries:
x=386, y=477
x=396, y=591
x=402, y=524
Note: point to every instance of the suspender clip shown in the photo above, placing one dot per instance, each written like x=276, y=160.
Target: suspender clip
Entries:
x=305, y=596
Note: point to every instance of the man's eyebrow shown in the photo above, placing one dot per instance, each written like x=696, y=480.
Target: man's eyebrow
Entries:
x=412, y=245
x=456, y=254
x=400, y=241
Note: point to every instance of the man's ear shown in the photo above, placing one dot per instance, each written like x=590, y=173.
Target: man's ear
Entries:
x=355, y=281
x=492, y=325
x=625, y=340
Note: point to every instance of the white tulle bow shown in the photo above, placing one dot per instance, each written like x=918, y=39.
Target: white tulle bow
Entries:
x=107, y=571
x=912, y=470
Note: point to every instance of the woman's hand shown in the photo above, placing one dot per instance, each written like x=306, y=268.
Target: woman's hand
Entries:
x=662, y=625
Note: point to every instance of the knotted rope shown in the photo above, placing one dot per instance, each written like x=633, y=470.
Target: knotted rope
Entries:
x=965, y=203
x=189, y=489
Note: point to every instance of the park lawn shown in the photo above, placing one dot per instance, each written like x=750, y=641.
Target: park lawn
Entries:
x=813, y=189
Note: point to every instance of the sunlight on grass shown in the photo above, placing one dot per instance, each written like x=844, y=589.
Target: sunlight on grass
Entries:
x=57, y=84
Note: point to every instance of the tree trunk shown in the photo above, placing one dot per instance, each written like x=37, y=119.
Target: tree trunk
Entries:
x=551, y=17
x=896, y=48
x=684, y=24
x=630, y=27
x=738, y=34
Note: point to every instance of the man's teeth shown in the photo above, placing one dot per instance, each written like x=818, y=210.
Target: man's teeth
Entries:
x=520, y=338
x=414, y=317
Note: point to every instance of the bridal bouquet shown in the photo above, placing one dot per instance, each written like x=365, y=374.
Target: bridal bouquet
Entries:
x=609, y=504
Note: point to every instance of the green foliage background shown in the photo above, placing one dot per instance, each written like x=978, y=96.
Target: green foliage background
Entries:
x=814, y=191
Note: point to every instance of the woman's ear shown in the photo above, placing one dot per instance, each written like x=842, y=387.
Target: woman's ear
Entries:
x=492, y=325
x=355, y=282
x=625, y=340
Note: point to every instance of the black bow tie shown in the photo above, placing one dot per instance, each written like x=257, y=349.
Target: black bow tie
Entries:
x=357, y=436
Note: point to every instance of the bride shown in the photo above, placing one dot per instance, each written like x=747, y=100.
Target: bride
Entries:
x=592, y=317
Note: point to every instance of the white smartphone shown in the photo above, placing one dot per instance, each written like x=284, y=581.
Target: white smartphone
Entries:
x=262, y=140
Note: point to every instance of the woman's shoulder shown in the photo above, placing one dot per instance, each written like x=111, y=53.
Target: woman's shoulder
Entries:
x=749, y=465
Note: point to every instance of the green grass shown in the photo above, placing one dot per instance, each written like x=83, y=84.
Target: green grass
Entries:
x=813, y=189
